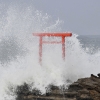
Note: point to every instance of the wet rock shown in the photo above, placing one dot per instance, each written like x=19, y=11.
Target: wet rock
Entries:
x=98, y=75
x=82, y=89
x=75, y=87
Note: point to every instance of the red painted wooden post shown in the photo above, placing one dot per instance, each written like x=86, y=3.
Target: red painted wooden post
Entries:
x=62, y=35
x=40, y=49
x=63, y=47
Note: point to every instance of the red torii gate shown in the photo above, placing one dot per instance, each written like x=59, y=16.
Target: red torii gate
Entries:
x=62, y=35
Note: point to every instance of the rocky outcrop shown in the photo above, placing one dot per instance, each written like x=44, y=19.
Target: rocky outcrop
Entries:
x=82, y=89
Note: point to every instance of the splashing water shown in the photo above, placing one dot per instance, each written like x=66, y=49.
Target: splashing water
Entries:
x=19, y=53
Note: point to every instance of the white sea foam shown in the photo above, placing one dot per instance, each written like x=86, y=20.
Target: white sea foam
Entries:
x=20, y=49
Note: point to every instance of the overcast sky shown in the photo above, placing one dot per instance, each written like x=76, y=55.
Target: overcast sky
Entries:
x=79, y=16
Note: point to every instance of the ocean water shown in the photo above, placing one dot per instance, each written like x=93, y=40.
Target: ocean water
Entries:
x=19, y=59
x=91, y=43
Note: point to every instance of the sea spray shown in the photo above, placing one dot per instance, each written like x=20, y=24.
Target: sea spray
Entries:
x=19, y=49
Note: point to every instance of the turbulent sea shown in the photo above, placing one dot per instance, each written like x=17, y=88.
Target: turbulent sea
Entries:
x=91, y=43
x=19, y=59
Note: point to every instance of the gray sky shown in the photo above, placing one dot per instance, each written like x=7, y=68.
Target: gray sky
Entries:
x=79, y=16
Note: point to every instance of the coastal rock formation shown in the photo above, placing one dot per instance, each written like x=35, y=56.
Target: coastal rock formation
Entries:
x=82, y=89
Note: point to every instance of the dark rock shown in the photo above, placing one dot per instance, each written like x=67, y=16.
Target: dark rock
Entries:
x=70, y=94
x=98, y=74
x=75, y=87
x=93, y=76
x=82, y=89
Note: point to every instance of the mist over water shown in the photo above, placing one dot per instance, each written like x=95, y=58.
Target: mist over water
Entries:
x=19, y=52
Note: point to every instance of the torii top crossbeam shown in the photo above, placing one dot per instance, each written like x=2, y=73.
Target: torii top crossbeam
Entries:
x=53, y=34
x=62, y=35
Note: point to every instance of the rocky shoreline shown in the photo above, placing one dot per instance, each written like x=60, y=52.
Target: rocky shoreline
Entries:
x=82, y=89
